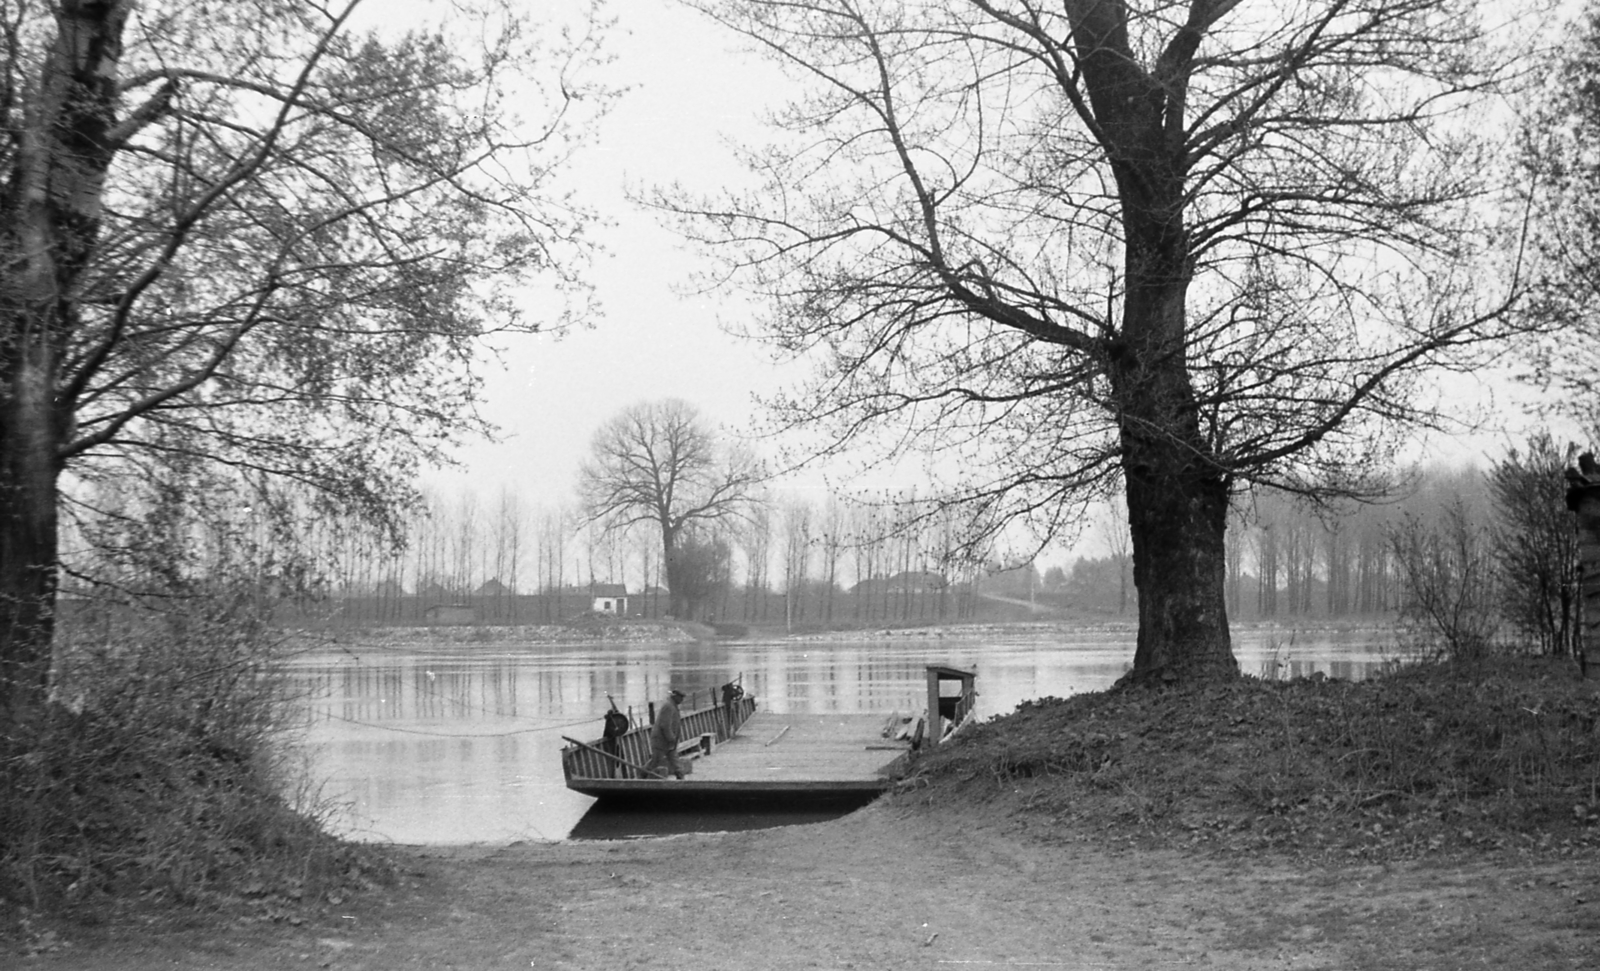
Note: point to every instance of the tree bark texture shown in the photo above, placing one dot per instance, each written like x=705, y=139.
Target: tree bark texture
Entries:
x=51, y=216
x=1177, y=496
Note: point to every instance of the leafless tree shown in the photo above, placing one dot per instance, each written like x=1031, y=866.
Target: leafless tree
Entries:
x=1234, y=541
x=756, y=539
x=1119, y=544
x=1338, y=562
x=797, y=547
x=509, y=525
x=1191, y=246
x=1374, y=565
x=865, y=533
x=648, y=550
x=661, y=463
x=551, y=538
x=831, y=546
x=1449, y=602
x=1536, y=545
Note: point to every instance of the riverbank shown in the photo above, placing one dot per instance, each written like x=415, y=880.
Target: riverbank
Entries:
x=600, y=628
x=593, y=630
x=1447, y=818
x=1023, y=630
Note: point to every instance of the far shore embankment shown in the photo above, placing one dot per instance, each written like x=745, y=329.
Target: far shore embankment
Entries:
x=623, y=631
x=610, y=630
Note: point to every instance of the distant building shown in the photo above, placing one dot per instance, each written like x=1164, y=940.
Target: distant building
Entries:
x=494, y=588
x=451, y=614
x=910, y=581
x=388, y=588
x=610, y=598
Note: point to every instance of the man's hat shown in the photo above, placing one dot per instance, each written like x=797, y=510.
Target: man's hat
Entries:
x=676, y=693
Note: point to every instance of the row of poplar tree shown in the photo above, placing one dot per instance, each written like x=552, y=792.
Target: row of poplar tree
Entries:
x=1485, y=552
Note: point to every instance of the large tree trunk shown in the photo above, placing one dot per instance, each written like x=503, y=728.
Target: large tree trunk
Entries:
x=1177, y=509
x=1177, y=518
x=49, y=220
x=1177, y=494
x=28, y=472
x=677, y=582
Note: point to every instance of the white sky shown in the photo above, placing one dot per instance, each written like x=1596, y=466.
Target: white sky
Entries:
x=689, y=89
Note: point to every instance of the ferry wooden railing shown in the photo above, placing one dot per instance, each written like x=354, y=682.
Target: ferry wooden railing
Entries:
x=589, y=760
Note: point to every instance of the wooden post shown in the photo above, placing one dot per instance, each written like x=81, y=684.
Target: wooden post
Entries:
x=937, y=675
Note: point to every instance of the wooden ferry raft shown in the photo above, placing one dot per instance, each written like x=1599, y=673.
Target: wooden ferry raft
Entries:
x=737, y=753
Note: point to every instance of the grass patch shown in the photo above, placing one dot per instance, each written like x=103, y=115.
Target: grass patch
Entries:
x=1500, y=752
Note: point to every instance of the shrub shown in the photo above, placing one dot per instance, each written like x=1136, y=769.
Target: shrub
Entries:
x=1536, y=544
x=162, y=769
x=1449, y=603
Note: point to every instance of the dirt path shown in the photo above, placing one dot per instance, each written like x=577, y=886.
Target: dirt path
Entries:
x=888, y=889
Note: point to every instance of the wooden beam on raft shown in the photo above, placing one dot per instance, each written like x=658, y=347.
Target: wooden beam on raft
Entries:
x=1583, y=498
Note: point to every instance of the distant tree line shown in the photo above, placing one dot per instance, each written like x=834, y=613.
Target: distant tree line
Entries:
x=1464, y=556
x=792, y=562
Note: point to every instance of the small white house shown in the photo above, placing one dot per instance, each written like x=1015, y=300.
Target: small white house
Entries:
x=610, y=598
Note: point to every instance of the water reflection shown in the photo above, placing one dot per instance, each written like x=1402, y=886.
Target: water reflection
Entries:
x=462, y=744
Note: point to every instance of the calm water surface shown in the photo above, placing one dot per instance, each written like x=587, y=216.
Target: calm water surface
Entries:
x=462, y=744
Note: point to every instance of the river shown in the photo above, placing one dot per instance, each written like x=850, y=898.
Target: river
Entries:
x=461, y=744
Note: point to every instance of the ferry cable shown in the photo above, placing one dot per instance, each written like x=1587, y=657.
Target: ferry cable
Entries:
x=432, y=691
x=418, y=731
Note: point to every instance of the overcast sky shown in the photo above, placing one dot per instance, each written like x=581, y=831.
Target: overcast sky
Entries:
x=686, y=88
x=689, y=90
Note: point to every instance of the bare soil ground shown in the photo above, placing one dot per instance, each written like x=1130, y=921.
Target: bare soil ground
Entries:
x=892, y=886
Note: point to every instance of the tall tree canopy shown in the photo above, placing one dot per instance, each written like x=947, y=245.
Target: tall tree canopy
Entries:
x=660, y=463
x=1192, y=246
x=248, y=237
